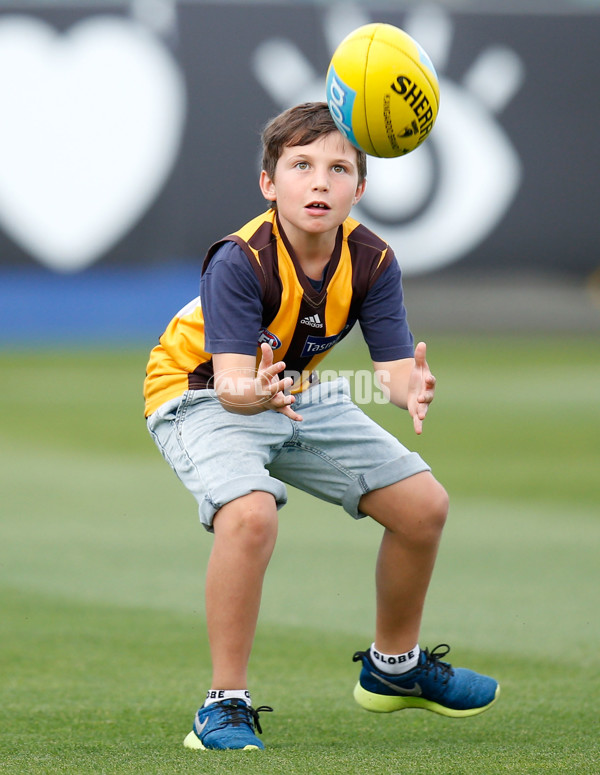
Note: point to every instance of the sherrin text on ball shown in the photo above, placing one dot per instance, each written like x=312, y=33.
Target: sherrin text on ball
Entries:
x=382, y=90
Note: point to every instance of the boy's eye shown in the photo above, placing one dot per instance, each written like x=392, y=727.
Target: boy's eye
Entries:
x=339, y=168
x=302, y=165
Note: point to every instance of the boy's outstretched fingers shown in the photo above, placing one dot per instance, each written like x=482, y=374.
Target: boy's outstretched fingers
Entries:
x=273, y=387
x=422, y=387
x=266, y=362
x=421, y=354
x=267, y=371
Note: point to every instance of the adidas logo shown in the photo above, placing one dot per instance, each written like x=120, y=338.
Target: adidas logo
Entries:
x=312, y=320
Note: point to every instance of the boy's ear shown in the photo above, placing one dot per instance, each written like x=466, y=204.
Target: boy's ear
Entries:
x=267, y=187
x=360, y=190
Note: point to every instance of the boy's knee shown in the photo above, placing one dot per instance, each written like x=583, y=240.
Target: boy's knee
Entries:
x=251, y=519
x=416, y=508
x=422, y=522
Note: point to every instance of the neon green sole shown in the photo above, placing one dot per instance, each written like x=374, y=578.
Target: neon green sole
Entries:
x=382, y=703
x=193, y=743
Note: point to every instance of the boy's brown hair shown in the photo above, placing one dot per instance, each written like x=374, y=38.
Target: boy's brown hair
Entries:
x=301, y=125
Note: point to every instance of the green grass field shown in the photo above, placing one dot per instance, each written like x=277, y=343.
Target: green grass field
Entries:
x=103, y=655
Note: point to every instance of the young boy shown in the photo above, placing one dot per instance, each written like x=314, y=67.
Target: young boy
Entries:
x=234, y=404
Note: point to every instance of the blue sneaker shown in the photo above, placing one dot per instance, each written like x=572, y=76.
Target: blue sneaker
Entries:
x=431, y=685
x=225, y=725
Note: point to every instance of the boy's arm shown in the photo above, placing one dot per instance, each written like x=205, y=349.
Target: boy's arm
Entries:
x=243, y=389
x=409, y=384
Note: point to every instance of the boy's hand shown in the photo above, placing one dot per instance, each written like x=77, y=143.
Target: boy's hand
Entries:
x=269, y=384
x=421, y=387
x=242, y=388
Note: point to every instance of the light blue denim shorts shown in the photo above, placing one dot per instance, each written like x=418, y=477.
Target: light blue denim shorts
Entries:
x=336, y=453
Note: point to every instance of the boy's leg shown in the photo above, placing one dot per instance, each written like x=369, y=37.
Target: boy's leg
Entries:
x=413, y=512
x=245, y=532
x=229, y=470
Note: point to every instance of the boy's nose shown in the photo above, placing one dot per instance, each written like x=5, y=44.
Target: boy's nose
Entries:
x=320, y=182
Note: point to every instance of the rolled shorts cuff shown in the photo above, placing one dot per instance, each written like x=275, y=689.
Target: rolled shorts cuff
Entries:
x=236, y=488
x=382, y=476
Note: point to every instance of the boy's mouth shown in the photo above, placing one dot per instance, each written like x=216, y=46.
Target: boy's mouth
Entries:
x=317, y=206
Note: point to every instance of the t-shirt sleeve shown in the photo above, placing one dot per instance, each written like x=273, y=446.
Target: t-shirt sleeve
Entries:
x=231, y=300
x=382, y=318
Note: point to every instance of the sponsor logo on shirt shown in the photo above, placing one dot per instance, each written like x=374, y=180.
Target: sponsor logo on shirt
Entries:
x=318, y=344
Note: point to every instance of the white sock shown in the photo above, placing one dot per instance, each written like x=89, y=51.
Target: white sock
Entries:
x=216, y=695
x=395, y=664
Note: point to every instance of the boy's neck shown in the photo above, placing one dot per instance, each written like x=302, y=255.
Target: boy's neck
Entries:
x=314, y=256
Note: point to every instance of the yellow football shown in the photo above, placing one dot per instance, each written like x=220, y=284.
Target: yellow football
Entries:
x=382, y=90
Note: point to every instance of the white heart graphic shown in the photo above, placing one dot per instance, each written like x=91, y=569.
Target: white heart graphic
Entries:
x=91, y=127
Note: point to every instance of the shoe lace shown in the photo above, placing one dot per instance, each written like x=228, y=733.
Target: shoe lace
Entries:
x=238, y=714
x=433, y=662
x=254, y=713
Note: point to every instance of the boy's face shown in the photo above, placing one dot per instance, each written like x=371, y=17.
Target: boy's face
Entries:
x=315, y=185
